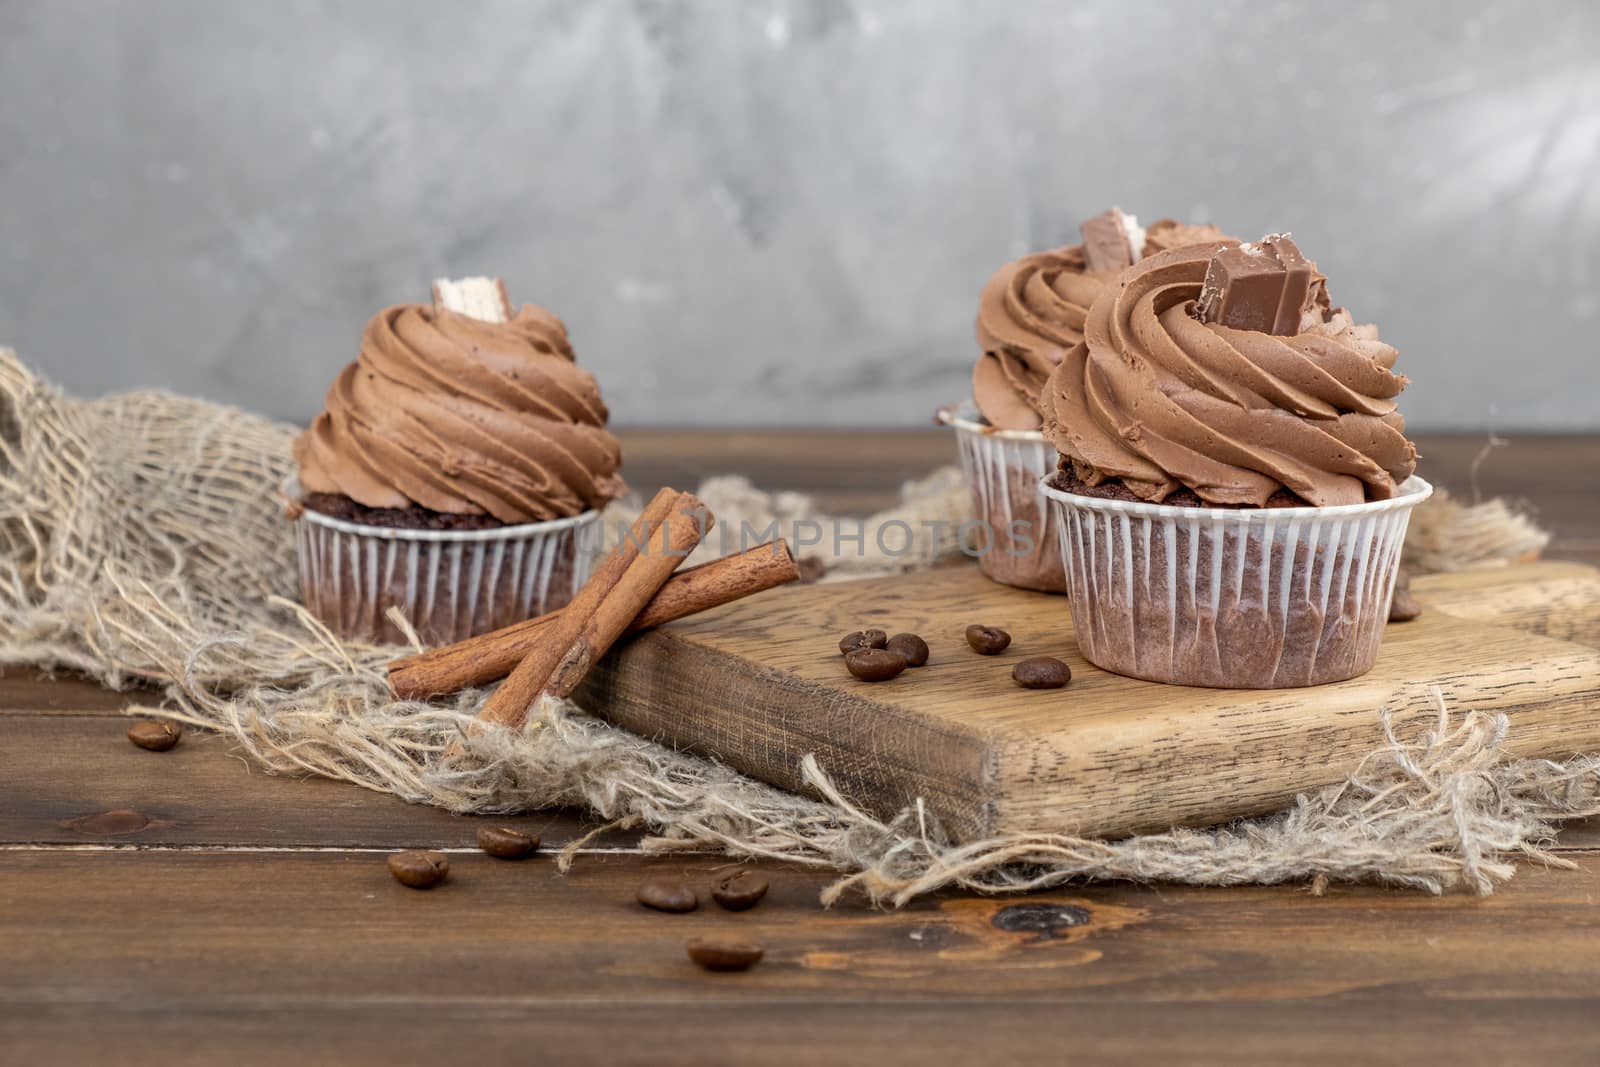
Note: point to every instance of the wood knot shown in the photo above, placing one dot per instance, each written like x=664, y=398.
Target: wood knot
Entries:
x=110, y=823
x=1045, y=920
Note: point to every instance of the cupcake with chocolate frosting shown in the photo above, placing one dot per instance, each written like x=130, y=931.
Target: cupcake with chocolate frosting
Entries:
x=1235, y=480
x=1031, y=312
x=455, y=471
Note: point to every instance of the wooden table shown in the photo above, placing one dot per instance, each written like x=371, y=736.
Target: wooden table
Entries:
x=185, y=908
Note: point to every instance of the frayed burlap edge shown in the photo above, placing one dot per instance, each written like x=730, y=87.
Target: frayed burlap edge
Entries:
x=140, y=541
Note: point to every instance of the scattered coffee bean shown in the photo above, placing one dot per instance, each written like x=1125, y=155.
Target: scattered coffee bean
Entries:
x=155, y=735
x=1041, y=672
x=1404, y=606
x=987, y=640
x=862, y=639
x=419, y=869
x=504, y=843
x=740, y=891
x=912, y=647
x=668, y=894
x=874, y=664
x=722, y=954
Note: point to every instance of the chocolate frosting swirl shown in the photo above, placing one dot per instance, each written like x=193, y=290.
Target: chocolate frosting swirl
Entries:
x=464, y=416
x=1160, y=400
x=1166, y=234
x=1032, y=310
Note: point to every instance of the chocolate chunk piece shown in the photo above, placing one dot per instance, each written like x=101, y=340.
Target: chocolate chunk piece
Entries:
x=1106, y=241
x=1266, y=286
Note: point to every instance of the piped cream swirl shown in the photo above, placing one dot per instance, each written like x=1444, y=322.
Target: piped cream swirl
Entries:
x=1033, y=309
x=1160, y=400
x=463, y=416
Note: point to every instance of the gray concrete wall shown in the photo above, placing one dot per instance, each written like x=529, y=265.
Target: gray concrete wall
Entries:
x=780, y=211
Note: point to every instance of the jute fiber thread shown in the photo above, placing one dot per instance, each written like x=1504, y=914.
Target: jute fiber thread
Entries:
x=141, y=541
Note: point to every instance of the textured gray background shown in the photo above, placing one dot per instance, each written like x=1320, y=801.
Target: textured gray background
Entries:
x=780, y=211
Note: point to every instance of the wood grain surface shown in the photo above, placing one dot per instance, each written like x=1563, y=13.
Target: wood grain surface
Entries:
x=759, y=685
x=246, y=923
x=324, y=955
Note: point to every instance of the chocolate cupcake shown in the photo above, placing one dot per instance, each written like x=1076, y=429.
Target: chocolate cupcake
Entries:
x=456, y=472
x=1030, y=313
x=1235, y=480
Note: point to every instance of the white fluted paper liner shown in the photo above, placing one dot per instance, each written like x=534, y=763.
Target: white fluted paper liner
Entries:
x=1002, y=469
x=451, y=584
x=1232, y=598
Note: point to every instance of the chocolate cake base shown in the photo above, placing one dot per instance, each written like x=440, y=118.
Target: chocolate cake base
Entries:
x=339, y=506
x=1014, y=537
x=448, y=587
x=1251, y=598
x=1021, y=548
x=1066, y=479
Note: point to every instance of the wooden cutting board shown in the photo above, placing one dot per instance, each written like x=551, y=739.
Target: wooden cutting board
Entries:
x=760, y=684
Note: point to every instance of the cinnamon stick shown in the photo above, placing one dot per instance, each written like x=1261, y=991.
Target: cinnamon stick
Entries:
x=646, y=575
x=618, y=590
x=511, y=702
x=491, y=656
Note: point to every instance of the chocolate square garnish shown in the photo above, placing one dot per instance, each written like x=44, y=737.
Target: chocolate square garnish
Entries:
x=1105, y=242
x=1265, y=286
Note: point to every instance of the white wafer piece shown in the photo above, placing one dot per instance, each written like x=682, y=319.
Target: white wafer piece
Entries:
x=1135, y=232
x=480, y=298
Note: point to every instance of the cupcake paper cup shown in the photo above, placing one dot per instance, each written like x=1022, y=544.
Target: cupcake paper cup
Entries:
x=451, y=584
x=1232, y=598
x=1003, y=469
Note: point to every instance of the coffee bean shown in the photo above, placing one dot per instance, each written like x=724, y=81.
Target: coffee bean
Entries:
x=912, y=647
x=668, y=894
x=987, y=640
x=419, y=869
x=724, y=954
x=155, y=735
x=504, y=843
x=1404, y=606
x=874, y=664
x=1041, y=672
x=740, y=891
x=862, y=639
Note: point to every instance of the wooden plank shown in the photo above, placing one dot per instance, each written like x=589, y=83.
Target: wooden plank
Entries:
x=759, y=685
x=1555, y=599
x=191, y=950
x=25, y=691
x=913, y=1032
x=76, y=780
x=202, y=795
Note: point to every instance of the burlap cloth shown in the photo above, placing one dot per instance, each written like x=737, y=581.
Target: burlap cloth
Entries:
x=141, y=541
